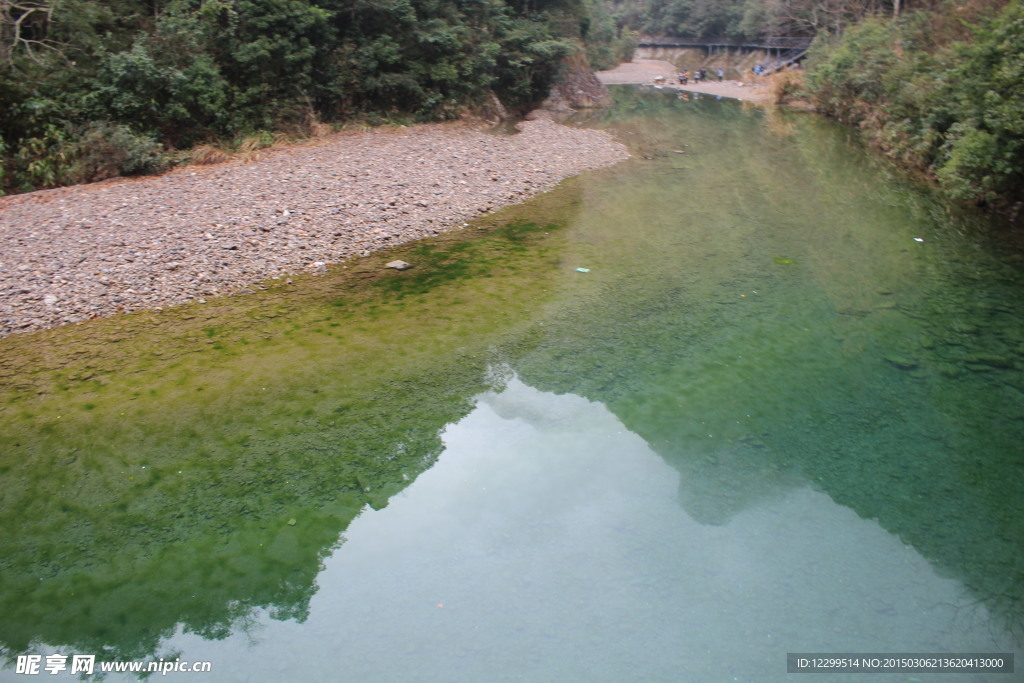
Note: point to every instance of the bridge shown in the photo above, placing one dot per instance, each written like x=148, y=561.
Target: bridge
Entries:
x=783, y=50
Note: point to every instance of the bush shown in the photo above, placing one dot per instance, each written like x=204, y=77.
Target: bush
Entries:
x=785, y=85
x=983, y=154
x=851, y=76
x=108, y=150
x=36, y=142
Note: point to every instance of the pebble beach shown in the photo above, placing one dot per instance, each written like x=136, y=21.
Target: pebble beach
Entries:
x=75, y=253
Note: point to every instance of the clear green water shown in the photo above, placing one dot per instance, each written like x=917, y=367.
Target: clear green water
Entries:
x=767, y=420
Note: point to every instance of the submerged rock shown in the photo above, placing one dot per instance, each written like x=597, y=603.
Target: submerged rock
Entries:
x=901, y=362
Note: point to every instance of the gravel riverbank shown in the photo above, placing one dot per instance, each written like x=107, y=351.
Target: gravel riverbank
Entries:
x=80, y=252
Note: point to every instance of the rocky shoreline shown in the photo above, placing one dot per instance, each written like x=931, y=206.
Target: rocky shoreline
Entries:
x=81, y=252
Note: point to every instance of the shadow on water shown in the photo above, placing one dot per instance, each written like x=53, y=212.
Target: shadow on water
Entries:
x=763, y=308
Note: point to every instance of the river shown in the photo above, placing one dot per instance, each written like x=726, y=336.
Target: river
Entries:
x=750, y=393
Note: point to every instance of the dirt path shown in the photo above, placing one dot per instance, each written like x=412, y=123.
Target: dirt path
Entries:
x=647, y=71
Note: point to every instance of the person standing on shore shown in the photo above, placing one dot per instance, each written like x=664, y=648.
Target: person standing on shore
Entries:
x=721, y=74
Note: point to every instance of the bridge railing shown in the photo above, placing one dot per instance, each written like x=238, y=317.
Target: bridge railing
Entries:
x=788, y=42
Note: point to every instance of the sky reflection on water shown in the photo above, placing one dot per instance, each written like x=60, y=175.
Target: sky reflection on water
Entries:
x=549, y=543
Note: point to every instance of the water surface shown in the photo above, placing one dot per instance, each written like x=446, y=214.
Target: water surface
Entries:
x=781, y=412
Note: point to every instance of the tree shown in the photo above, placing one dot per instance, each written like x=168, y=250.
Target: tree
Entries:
x=983, y=155
x=23, y=29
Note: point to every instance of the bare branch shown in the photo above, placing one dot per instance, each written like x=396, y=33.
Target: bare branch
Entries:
x=23, y=28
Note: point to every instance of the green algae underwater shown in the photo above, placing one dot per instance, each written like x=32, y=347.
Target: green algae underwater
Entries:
x=185, y=465
x=768, y=310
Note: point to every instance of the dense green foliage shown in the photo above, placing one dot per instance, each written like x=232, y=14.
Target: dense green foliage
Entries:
x=91, y=88
x=941, y=91
x=609, y=42
x=747, y=18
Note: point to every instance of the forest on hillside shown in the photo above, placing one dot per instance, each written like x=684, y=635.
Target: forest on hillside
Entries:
x=936, y=85
x=750, y=18
x=96, y=88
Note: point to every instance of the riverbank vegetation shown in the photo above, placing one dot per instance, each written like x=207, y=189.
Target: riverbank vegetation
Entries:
x=939, y=90
x=96, y=88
